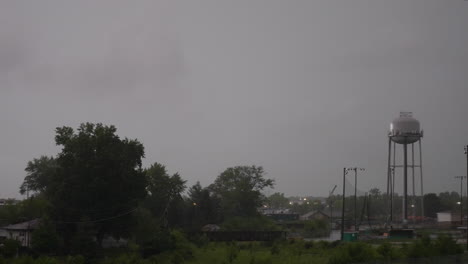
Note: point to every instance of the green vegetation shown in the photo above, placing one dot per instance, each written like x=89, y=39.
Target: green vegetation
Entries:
x=181, y=250
x=317, y=228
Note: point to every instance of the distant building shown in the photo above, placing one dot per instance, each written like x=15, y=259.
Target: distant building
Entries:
x=268, y=211
x=448, y=216
x=322, y=215
x=21, y=231
x=4, y=202
x=282, y=216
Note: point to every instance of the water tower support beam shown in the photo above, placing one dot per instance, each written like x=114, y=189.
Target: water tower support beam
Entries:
x=413, y=198
x=389, y=177
x=421, y=174
x=405, y=184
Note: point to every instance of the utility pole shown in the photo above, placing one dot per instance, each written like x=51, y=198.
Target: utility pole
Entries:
x=343, y=204
x=355, y=169
x=461, y=197
x=466, y=153
x=331, y=207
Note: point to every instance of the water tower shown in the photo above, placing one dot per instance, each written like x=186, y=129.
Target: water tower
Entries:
x=404, y=131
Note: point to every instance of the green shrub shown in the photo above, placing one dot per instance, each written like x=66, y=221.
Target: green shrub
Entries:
x=78, y=259
x=308, y=244
x=387, y=251
x=47, y=260
x=45, y=239
x=355, y=252
x=275, y=250
x=316, y=228
x=445, y=245
x=10, y=248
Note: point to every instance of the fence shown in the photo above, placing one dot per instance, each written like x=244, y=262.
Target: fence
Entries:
x=456, y=259
x=244, y=235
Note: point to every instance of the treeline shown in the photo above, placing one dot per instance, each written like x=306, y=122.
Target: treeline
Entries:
x=96, y=188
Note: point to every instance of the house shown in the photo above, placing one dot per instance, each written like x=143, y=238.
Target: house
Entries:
x=321, y=214
x=448, y=217
x=21, y=231
x=282, y=217
x=269, y=211
x=4, y=202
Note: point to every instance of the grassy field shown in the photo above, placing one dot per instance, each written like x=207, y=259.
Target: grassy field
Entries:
x=284, y=252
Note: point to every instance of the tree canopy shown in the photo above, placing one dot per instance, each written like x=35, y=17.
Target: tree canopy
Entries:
x=97, y=176
x=240, y=190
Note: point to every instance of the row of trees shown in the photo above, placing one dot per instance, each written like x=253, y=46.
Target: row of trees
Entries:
x=375, y=205
x=96, y=187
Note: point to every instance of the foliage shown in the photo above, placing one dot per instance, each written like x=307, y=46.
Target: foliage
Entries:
x=203, y=207
x=10, y=248
x=257, y=223
x=45, y=239
x=317, y=228
x=146, y=226
x=277, y=201
x=388, y=251
x=353, y=253
x=239, y=190
x=432, y=204
x=164, y=194
x=97, y=175
x=14, y=212
x=39, y=174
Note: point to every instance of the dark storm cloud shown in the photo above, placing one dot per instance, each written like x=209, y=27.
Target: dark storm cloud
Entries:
x=302, y=88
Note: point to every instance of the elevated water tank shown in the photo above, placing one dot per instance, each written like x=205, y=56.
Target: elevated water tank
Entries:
x=405, y=129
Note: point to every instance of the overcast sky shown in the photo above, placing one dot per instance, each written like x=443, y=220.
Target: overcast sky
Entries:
x=302, y=88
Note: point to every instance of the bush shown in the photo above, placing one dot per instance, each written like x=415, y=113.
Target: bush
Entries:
x=387, y=251
x=355, y=252
x=317, y=228
x=445, y=245
x=10, y=248
x=258, y=223
x=45, y=239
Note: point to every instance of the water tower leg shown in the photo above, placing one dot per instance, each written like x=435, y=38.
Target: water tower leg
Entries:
x=393, y=180
x=413, y=197
x=389, y=180
x=405, y=185
x=421, y=174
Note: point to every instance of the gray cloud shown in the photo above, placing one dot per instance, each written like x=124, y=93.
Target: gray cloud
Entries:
x=302, y=88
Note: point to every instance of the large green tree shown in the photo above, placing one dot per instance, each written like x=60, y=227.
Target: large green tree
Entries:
x=278, y=201
x=95, y=180
x=240, y=190
x=203, y=207
x=432, y=205
x=164, y=199
x=39, y=174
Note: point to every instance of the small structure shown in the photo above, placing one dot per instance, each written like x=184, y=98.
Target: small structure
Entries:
x=283, y=217
x=335, y=214
x=445, y=216
x=210, y=228
x=21, y=231
x=315, y=215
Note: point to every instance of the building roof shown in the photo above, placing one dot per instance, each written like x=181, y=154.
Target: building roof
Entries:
x=336, y=213
x=28, y=225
